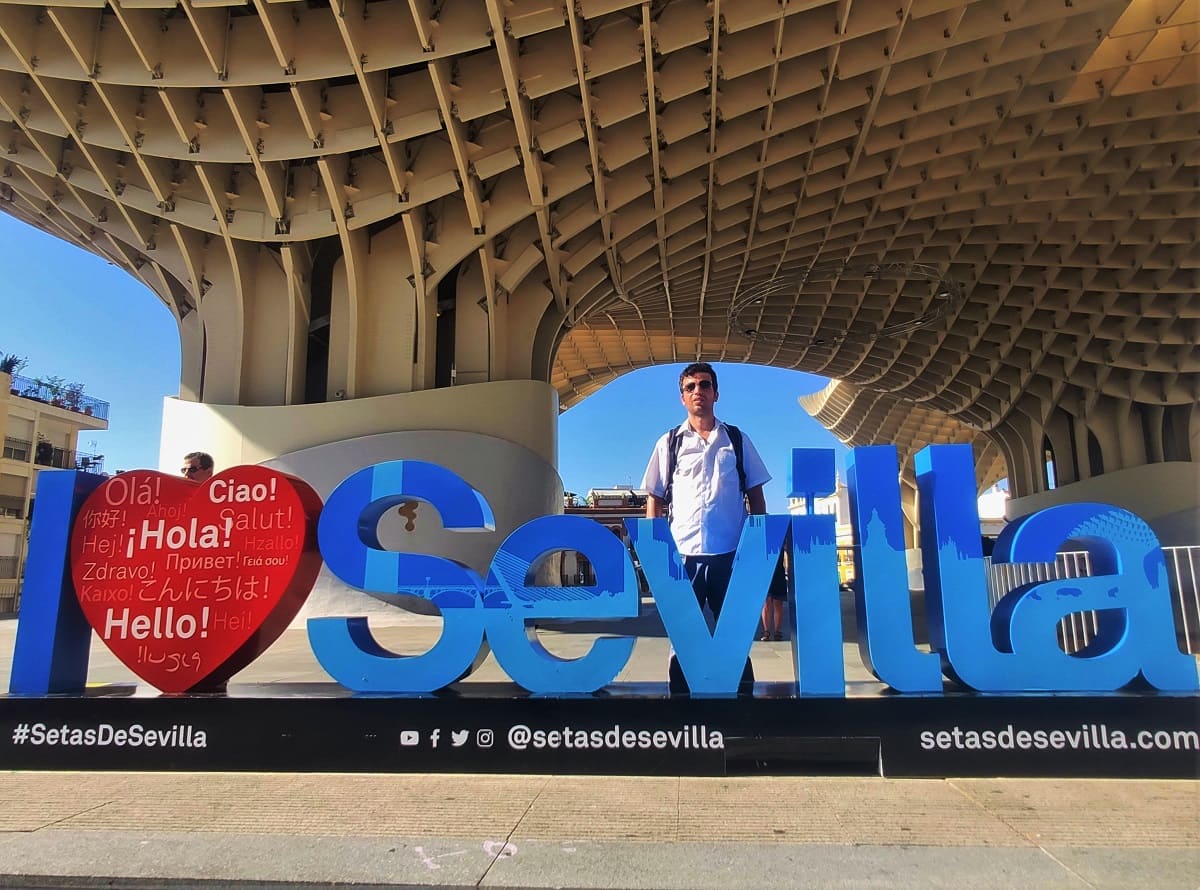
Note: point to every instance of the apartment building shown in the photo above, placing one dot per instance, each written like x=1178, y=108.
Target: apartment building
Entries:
x=41, y=421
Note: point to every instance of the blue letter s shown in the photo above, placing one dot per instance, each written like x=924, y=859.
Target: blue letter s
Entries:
x=350, y=546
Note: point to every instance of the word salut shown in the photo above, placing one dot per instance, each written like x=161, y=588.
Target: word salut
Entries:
x=187, y=583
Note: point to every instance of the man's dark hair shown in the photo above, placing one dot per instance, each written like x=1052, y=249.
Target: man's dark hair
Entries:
x=698, y=368
x=206, y=461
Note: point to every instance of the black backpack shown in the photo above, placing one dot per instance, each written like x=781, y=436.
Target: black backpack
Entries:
x=674, y=440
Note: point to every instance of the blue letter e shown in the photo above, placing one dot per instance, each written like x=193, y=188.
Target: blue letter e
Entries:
x=514, y=597
x=348, y=534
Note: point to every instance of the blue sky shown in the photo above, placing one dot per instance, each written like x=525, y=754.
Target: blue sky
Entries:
x=77, y=316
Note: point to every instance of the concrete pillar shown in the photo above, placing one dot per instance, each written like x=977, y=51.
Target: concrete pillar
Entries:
x=1131, y=437
x=1021, y=477
x=1057, y=431
x=1082, y=458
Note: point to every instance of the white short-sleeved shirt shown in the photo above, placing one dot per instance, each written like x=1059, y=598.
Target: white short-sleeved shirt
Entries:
x=708, y=508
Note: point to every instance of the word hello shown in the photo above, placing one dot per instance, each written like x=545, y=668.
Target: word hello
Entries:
x=104, y=571
x=162, y=624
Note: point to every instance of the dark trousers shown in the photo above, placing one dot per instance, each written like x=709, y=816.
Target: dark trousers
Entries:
x=710, y=581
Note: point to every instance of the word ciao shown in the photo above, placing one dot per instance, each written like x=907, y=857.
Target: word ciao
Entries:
x=224, y=491
x=1012, y=648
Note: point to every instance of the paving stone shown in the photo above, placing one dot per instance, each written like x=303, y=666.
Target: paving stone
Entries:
x=685, y=866
x=1103, y=812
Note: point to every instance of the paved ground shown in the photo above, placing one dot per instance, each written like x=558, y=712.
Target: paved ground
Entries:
x=518, y=831
x=145, y=829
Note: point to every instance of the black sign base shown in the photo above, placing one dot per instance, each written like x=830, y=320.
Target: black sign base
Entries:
x=498, y=728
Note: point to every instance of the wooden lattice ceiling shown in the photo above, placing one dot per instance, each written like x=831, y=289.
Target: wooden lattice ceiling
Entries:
x=1043, y=155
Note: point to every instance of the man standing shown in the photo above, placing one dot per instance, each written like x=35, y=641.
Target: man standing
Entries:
x=704, y=474
x=197, y=466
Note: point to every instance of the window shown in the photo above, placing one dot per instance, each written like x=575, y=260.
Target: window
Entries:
x=17, y=449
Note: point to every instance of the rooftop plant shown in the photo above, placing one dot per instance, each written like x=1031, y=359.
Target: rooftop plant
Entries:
x=11, y=363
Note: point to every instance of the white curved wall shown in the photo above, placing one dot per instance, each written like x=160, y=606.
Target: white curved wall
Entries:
x=1164, y=494
x=517, y=484
x=523, y=412
x=501, y=437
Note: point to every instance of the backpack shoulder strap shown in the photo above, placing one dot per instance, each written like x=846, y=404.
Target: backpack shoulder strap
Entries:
x=735, y=439
x=673, y=442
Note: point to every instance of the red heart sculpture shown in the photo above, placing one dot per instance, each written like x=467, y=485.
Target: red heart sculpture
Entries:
x=188, y=583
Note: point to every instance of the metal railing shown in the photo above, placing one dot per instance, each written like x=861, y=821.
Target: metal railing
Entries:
x=8, y=568
x=1183, y=568
x=46, y=455
x=1077, y=630
x=90, y=463
x=60, y=396
x=1003, y=577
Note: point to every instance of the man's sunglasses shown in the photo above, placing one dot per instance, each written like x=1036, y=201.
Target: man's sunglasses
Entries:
x=703, y=384
x=188, y=471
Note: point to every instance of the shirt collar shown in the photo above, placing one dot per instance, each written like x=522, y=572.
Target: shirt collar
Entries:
x=685, y=428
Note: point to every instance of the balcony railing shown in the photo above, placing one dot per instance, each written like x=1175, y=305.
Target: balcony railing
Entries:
x=8, y=567
x=59, y=396
x=62, y=459
x=46, y=455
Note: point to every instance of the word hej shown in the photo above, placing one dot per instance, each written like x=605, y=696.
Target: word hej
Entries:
x=188, y=583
